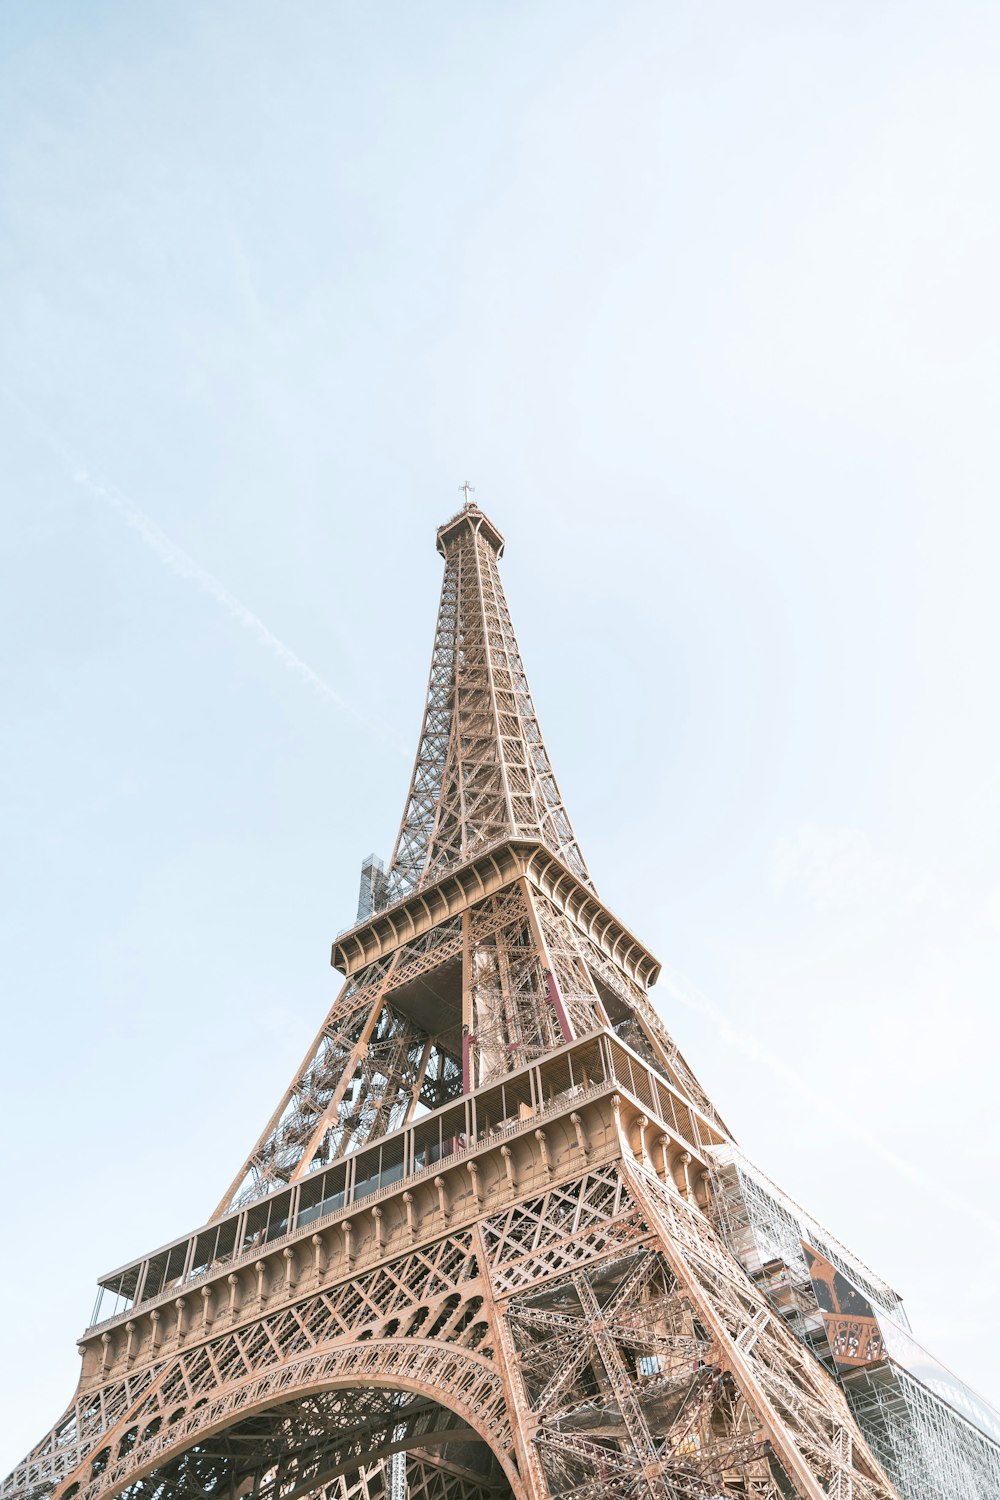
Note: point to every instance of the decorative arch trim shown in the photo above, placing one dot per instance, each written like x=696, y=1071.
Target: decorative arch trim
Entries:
x=464, y=1382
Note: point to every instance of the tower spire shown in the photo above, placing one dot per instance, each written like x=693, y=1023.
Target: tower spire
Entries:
x=482, y=772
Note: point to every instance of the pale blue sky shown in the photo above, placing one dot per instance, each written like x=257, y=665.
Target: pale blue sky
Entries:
x=703, y=299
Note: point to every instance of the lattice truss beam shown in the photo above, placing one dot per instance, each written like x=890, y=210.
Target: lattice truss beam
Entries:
x=336, y=1444
x=482, y=772
x=594, y=1339
x=661, y=1371
x=417, y=1322
x=513, y=973
x=368, y=1069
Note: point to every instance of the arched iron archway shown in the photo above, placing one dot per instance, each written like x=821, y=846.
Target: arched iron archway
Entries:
x=289, y=1432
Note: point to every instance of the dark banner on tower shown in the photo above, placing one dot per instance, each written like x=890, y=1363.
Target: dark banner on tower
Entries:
x=852, y=1328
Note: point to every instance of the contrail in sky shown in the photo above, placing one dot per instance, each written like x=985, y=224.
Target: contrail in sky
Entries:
x=178, y=561
x=751, y=1048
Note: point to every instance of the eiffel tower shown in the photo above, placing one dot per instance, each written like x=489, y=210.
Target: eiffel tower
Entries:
x=483, y=1247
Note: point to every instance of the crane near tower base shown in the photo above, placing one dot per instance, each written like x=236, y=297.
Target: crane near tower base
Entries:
x=495, y=1240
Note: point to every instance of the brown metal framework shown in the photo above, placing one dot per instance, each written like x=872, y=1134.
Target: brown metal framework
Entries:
x=482, y=772
x=472, y=1253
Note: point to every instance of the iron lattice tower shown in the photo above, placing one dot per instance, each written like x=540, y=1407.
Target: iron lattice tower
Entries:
x=476, y=1251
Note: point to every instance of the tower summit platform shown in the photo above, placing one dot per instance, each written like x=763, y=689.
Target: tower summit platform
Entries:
x=469, y=518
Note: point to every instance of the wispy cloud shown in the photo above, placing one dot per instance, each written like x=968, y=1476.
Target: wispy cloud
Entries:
x=792, y=1080
x=839, y=868
x=179, y=562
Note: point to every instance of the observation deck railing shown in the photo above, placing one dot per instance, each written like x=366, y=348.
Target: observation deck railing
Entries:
x=462, y=1128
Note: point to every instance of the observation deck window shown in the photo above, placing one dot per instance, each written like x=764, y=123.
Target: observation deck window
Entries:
x=119, y=1295
x=321, y=1195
